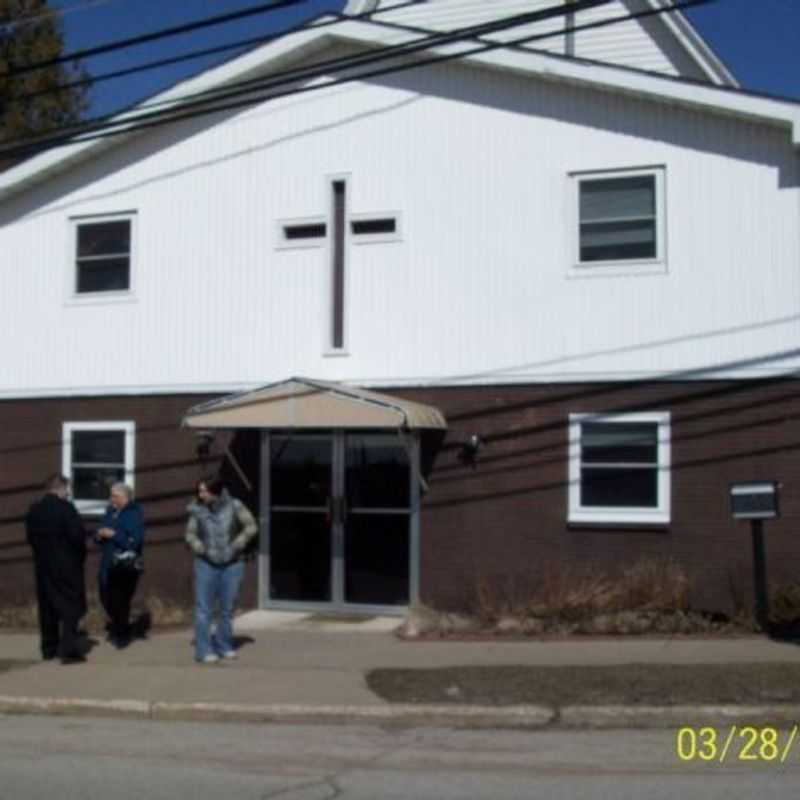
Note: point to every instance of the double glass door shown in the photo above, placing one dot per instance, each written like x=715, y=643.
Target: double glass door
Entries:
x=341, y=519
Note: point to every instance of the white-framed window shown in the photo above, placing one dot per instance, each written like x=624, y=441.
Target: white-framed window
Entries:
x=619, y=219
x=94, y=456
x=102, y=255
x=619, y=468
x=301, y=232
x=372, y=228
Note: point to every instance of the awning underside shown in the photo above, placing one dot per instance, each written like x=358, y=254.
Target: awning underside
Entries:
x=305, y=403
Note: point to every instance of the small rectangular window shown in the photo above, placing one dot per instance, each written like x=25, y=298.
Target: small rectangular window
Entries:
x=310, y=231
x=373, y=226
x=301, y=232
x=96, y=455
x=620, y=218
x=103, y=256
x=619, y=468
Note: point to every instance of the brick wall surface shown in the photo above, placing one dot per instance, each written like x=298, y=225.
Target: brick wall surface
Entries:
x=502, y=520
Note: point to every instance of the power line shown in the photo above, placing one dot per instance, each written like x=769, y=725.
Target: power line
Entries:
x=431, y=38
x=316, y=22
x=155, y=119
x=313, y=71
x=586, y=26
x=164, y=33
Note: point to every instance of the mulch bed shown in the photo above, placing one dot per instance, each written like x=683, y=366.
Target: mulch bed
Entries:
x=628, y=684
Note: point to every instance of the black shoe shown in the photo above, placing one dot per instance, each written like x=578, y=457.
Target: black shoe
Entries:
x=121, y=642
x=74, y=659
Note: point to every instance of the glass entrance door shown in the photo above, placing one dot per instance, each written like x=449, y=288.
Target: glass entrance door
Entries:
x=300, y=537
x=376, y=520
x=342, y=520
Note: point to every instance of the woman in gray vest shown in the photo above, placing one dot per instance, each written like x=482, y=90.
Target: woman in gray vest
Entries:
x=218, y=531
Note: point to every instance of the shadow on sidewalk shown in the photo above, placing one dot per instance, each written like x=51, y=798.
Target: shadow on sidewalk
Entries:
x=785, y=633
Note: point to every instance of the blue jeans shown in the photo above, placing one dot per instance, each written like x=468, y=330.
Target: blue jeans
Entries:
x=215, y=586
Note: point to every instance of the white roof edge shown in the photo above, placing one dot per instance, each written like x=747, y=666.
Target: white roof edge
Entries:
x=695, y=44
x=40, y=166
x=360, y=6
x=589, y=73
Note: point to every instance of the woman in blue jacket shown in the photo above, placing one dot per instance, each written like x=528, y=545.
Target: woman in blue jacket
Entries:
x=121, y=535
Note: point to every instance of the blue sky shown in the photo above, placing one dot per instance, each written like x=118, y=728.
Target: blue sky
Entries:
x=759, y=40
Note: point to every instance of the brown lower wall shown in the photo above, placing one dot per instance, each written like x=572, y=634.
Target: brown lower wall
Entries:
x=503, y=520
x=166, y=469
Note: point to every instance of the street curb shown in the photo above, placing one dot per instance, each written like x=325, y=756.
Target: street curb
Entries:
x=604, y=717
x=520, y=717
x=452, y=716
x=68, y=706
x=527, y=717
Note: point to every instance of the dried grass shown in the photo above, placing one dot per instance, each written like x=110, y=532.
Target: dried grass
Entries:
x=24, y=616
x=571, y=593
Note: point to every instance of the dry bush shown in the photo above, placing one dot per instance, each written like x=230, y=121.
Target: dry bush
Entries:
x=571, y=593
x=785, y=604
x=24, y=616
x=656, y=585
x=19, y=617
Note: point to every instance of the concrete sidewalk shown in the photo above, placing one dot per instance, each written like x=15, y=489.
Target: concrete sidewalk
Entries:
x=291, y=667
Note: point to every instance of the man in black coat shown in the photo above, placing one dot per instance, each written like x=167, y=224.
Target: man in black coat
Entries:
x=56, y=534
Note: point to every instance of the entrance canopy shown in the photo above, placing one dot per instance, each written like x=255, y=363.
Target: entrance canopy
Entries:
x=305, y=403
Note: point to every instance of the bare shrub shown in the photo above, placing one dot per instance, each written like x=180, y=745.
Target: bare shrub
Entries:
x=657, y=585
x=785, y=604
x=570, y=593
x=25, y=616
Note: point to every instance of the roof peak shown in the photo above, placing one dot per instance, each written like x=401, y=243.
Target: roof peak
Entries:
x=360, y=6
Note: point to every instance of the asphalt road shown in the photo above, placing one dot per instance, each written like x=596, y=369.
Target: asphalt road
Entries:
x=83, y=759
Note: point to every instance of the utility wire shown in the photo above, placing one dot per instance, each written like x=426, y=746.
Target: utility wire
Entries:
x=321, y=69
x=430, y=38
x=314, y=23
x=133, y=124
x=164, y=33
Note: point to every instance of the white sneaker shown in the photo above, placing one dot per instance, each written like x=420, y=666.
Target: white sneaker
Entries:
x=211, y=658
x=230, y=654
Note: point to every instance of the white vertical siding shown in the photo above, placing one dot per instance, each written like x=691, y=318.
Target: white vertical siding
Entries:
x=479, y=289
x=625, y=43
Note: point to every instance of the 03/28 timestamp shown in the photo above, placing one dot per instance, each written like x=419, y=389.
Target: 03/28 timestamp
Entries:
x=745, y=743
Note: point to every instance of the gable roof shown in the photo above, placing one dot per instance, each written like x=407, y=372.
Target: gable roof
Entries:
x=672, y=29
x=306, y=403
x=535, y=64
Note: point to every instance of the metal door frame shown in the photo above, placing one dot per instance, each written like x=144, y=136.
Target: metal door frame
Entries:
x=337, y=603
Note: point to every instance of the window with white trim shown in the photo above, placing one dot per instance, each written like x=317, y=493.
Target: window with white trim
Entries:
x=103, y=255
x=96, y=455
x=620, y=217
x=619, y=468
